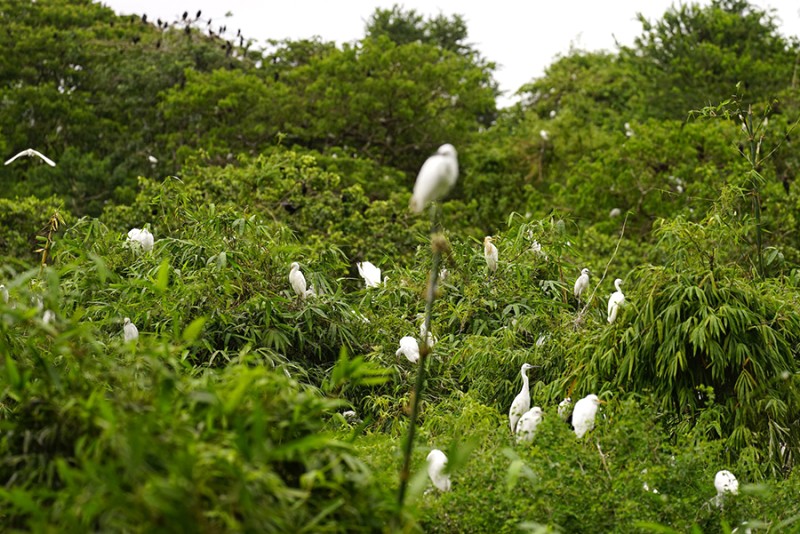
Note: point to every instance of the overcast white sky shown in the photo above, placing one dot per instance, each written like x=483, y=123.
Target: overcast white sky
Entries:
x=521, y=37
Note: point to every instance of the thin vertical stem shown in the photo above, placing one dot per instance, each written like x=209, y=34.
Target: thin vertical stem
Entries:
x=405, y=471
x=754, y=176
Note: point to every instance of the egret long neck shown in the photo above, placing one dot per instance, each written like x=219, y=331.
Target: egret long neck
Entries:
x=525, y=381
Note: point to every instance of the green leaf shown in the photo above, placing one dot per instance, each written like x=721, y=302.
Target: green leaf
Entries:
x=191, y=332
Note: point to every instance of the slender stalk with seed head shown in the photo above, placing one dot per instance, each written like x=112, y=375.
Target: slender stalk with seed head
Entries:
x=438, y=245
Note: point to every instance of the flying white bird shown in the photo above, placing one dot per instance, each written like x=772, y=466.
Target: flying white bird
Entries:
x=4, y=293
x=616, y=300
x=298, y=281
x=583, y=414
x=490, y=253
x=409, y=347
x=527, y=424
x=581, y=284
x=437, y=461
x=143, y=237
x=129, y=330
x=370, y=273
x=564, y=408
x=726, y=482
x=437, y=175
x=30, y=153
x=522, y=402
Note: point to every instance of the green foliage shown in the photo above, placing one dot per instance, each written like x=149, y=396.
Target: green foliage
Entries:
x=227, y=412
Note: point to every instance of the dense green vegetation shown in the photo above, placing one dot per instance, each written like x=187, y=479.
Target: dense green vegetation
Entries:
x=670, y=164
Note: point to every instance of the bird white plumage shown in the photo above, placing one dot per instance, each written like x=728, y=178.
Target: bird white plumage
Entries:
x=4, y=293
x=527, y=424
x=615, y=301
x=436, y=176
x=298, y=281
x=726, y=482
x=522, y=402
x=29, y=152
x=351, y=417
x=143, y=237
x=581, y=284
x=48, y=316
x=437, y=461
x=370, y=273
x=565, y=408
x=129, y=330
x=409, y=347
x=430, y=340
x=584, y=413
x=490, y=253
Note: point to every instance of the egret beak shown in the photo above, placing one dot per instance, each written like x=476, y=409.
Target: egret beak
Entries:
x=601, y=401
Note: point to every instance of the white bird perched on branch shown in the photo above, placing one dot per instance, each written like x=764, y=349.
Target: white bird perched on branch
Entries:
x=583, y=414
x=143, y=237
x=409, y=347
x=437, y=175
x=527, y=424
x=297, y=280
x=490, y=253
x=370, y=273
x=616, y=300
x=522, y=402
x=437, y=461
x=129, y=330
x=581, y=284
x=30, y=153
x=725, y=482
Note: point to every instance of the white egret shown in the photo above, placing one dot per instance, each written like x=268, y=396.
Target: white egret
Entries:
x=522, y=402
x=351, y=417
x=437, y=175
x=4, y=293
x=409, y=347
x=628, y=130
x=583, y=414
x=427, y=336
x=437, y=462
x=30, y=153
x=143, y=237
x=129, y=330
x=615, y=212
x=565, y=408
x=490, y=253
x=370, y=273
x=581, y=284
x=298, y=281
x=48, y=316
x=725, y=482
x=527, y=424
x=616, y=300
